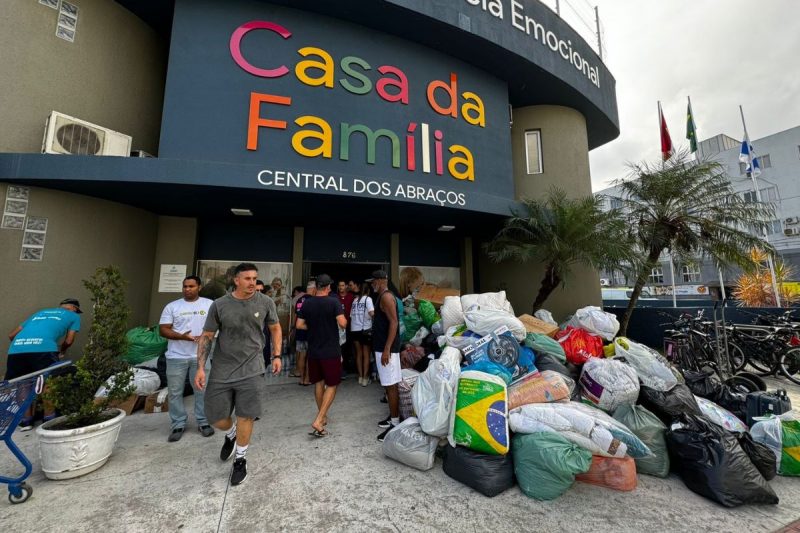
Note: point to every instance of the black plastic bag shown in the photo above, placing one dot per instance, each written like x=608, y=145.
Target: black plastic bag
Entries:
x=711, y=463
x=670, y=404
x=760, y=455
x=703, y=384
x=733, y=401
x=488, y=474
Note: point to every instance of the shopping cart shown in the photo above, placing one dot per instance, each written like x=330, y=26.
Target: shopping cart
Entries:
x=16, y=396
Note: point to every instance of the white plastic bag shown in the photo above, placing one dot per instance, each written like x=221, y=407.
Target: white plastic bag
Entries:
x=485, y=321
x=145, y=382
x=451, y=312
x=459, y=342
x=417, y=339
x=545, y=316
x=720, y=416
x=408, y=444
x=434, y=394
x=653, y=370
x=487, y=300
x=595, y=320
x=607, y=384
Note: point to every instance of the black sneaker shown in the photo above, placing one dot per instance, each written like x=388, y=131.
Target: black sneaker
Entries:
x=385, y=432
x=227, y=448
x=385, y=423
x=206, y=430
x=176, y=435
x=239, y=471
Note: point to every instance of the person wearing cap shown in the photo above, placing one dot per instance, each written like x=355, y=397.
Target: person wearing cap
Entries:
x=386, y=343
x=322, y=316
x=41, y=341
x=181, y=324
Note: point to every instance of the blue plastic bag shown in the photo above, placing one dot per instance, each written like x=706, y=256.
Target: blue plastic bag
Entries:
x=490, y=367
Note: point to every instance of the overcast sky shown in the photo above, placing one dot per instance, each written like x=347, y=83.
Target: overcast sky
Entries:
x=721, y=53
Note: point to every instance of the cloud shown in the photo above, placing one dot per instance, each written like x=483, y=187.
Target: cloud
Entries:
x=722, y=54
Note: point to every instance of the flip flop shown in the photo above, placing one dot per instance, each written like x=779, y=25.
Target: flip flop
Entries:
x=319, y=434
x=305, y=384
x=295, y=376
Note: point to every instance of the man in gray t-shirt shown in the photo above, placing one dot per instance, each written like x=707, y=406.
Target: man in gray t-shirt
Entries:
x=236, y=378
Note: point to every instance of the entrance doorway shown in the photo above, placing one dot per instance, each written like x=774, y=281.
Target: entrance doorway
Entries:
x=357, y=272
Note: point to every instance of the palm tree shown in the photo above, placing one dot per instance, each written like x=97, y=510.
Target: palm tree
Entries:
x=688, y=209
x=561, y=232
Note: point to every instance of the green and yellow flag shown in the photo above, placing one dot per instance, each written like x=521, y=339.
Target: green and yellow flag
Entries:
x=691, y=129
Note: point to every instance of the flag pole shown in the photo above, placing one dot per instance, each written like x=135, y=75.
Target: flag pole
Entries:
x=672, y=273
x=699, y=158
x=758, y=197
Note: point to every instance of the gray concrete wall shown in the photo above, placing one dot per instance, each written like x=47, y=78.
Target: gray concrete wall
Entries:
x=176, y=245
x=112, y=75
x=565, y=164
x=83, y=233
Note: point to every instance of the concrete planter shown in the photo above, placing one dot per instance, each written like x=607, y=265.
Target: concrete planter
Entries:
x=69, y=453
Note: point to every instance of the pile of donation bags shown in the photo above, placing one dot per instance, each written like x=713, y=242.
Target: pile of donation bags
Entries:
x=505, y=399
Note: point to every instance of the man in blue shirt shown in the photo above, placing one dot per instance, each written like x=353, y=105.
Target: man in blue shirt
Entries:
x=41, y=341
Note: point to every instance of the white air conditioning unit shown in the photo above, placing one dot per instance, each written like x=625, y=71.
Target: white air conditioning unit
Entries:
x=64, y=134
x=791, y=221
x=789, y=232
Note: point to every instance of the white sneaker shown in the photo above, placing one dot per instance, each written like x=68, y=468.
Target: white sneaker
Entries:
x=364, y=382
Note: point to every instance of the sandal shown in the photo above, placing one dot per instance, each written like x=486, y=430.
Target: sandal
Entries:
x=295, y=376
x=319, y=434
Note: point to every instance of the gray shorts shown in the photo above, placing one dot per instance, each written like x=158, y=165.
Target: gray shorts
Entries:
x=301, y=346
x=245, y=396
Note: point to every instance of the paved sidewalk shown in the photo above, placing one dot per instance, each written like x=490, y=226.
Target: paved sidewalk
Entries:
x=338, y=483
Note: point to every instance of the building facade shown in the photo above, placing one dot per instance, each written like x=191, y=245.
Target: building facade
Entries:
x=303, y=136
x=778, y=183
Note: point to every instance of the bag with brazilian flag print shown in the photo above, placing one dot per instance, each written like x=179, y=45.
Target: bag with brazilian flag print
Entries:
x=481, y=415
x=782, y=436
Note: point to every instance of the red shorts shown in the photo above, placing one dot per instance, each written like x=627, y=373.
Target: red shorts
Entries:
x=329, y=370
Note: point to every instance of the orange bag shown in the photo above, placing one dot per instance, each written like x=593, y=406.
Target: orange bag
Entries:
x=579, y=344
x=544, y=387
x=618, y=473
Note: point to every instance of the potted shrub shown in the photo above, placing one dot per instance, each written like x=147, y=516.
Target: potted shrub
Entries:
x=82, y=440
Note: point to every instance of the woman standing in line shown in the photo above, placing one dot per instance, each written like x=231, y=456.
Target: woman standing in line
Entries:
x=361, y=314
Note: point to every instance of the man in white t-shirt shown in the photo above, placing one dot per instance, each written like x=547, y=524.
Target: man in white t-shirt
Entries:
x=181, y=324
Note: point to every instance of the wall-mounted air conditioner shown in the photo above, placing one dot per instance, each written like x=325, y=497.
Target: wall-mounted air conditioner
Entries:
x=790, y=232
x=64, y=134
x=791, y=221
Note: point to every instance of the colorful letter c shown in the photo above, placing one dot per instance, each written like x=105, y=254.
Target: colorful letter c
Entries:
x=236, y=50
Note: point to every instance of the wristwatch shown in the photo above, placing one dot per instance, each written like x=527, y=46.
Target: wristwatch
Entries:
x=274, y=357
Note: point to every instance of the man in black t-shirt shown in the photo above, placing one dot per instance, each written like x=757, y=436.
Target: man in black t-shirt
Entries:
x=322, y=317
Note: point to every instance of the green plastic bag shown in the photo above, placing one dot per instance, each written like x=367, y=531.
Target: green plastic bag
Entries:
x=428, y=313
x=544, y=344
x=650, y=431
x=412, y=322
x=546, y=464
x=144, y=344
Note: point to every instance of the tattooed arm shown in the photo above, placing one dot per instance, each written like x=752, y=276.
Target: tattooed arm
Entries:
x=203, y=351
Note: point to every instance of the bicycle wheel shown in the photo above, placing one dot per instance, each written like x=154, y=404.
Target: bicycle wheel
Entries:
x=761, y=367
x=736, y=355
x=760, y=383
x=789, y=364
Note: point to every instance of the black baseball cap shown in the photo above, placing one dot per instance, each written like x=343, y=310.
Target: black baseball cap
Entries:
x=72, y=301
x=324, y=280
x=378, y=274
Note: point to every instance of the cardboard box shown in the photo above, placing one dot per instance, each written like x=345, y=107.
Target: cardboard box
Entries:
x=158, y=402
x=534, y=325
x=435, y=295
x=129, y=405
